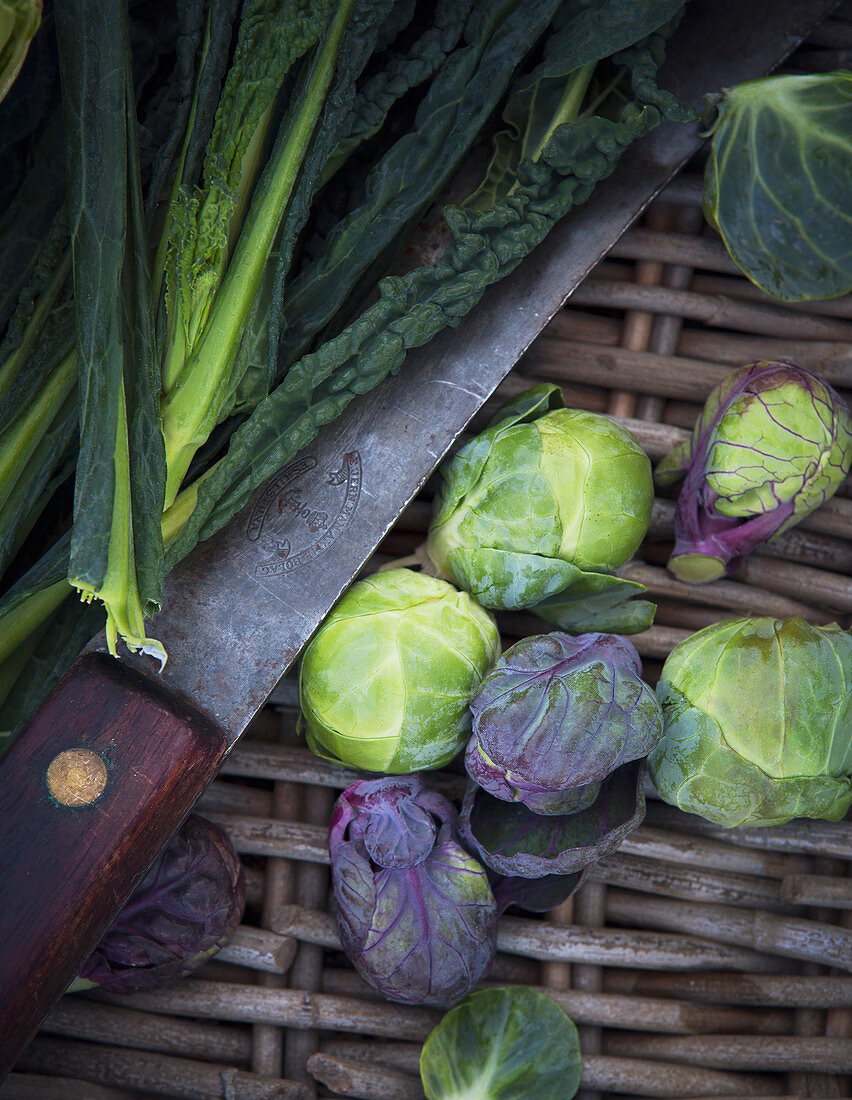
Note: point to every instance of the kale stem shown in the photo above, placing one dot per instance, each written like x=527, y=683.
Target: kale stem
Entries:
x=22, y=619
x=10, y=370
x=567, y=111
x=602, y=95
x=24, y=434
x=569, y=106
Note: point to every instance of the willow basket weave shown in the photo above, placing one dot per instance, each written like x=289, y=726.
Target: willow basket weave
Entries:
x=697, y=962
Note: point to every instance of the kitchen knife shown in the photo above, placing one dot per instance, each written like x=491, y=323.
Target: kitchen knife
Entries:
x=117, y=755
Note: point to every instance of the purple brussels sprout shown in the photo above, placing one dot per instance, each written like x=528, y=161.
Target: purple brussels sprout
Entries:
x=772, y=443
x=415, y=911
x=184, y=909
x=513, y=841
x=556, y=715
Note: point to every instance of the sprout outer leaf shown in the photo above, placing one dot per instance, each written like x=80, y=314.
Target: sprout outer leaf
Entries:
x=599, y=602
x=512, y=840
x=776, y=183
x=527, y=406
x=503, y=1044
x=536, y=895
x=501, y=578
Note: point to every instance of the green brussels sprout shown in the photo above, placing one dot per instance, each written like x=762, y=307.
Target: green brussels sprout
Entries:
x=539, y=509
x=758, y=723
x=385, y=683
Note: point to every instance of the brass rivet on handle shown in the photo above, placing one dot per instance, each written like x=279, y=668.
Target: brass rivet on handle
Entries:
x=76, y=777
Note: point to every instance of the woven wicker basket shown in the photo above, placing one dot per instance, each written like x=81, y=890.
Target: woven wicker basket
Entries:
x=697, y=962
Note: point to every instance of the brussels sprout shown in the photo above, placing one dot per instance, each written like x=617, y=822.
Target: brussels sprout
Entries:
x=184, y=909
x=503, y=1044
x=772, y=444
x=415, y=911
x=386, y=681
x=556, y=715
x=776, y=185
x=512, y=840
x=540, y=508
x=19, y=20
x=758, y=723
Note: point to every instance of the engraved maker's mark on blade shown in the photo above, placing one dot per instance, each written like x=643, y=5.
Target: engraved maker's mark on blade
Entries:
x=268, y=493
x=296, y=517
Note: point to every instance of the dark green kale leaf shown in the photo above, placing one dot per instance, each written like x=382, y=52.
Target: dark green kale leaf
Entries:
x=116, y=544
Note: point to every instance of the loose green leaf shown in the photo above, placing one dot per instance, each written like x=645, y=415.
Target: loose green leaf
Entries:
x=503, y=1044
x=529, y=405
x=776, y=185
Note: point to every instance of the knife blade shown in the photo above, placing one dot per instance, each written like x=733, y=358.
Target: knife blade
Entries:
x=117, y=755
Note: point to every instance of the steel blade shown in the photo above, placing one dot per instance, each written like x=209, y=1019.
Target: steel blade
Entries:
x=240, y=608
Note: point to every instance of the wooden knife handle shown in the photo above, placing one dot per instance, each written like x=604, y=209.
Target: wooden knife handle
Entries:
x=89, y=793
